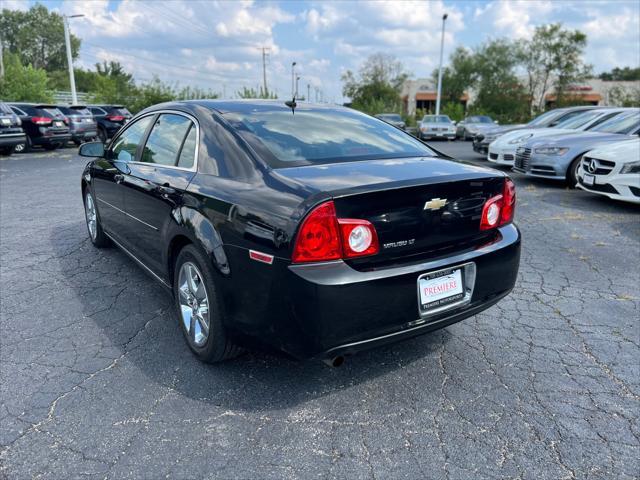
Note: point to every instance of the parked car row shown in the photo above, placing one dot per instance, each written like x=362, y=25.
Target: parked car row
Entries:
x=442, y=127
x=594, y=148
x=24, y=126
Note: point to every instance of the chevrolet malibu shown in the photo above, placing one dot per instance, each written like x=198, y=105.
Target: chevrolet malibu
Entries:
x=315, y=230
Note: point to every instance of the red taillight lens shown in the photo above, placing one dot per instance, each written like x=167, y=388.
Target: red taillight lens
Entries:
x=41, y=120
x=499, y=210
x=509, y=202
x=323, y=236
x=359, y=237
x=115, y=118
x=318, y=238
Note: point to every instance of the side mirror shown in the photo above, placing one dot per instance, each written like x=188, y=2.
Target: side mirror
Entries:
x=92, y=149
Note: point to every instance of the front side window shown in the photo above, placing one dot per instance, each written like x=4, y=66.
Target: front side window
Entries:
x=166, y=139
x=125, y=146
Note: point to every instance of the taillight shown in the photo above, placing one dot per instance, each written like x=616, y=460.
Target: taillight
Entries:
x=115, y=118
x=323, y=236
x=41, y=120
x=499, y=210
x=509, y=202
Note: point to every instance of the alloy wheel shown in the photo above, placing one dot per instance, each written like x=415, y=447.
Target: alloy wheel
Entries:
x=20, y=148
x=194, y=303
x=92, y=218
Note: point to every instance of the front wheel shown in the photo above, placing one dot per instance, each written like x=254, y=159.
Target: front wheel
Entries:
x=96, y=234
x=572, y=172
x=200, y=308
x=24, y=147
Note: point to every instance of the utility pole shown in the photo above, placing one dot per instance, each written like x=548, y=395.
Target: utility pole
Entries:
x=67, y=41
x=308, y=92
x=293, y=79
x=265, y=53
x=444, y=18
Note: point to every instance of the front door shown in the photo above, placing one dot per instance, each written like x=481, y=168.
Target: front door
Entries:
x=109, y=174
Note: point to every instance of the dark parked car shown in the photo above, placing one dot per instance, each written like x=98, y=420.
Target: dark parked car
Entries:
x=11, y=133
x=81, y=123
x=319, y=245
x=392, y=119
x=44, y=125
x=109, y=119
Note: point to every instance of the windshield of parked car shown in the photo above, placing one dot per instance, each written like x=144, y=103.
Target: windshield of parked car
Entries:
x=544, y=119
x=390, y=117
x=311, y=136
x=479, y=119
x=579, y=120
x=436, y=119
x=624, y=124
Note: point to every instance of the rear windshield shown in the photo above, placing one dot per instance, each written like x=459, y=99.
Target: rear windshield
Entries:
x=120, y=111
x=624, y=124
x=315, y=136
x=436, y=119
x=51, y=112
x=479, y=119
x=4, y=108
x=79, y=111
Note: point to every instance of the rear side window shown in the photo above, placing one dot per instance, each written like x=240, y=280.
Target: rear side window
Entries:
x=125, y=146
x=166, y=139
x=188, y=153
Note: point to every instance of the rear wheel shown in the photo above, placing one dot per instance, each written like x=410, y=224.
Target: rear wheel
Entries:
x=572, y=172
x=200, y=308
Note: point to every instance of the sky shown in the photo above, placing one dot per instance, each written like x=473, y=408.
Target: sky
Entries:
x=216, y=44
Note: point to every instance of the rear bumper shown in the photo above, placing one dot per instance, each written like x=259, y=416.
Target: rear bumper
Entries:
x=435, y=136
x=84, y=135
x=331, y=309
x=12, y=139
x=52, y=139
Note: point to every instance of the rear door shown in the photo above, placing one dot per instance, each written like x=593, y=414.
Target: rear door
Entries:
x=109, y=174
x=154, y=184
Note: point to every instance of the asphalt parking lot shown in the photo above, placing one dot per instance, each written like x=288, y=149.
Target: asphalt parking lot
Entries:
x=97, y=382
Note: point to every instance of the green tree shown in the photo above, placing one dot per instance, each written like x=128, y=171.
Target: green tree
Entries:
x=553, y=56
x=253, y=93
x=37, y=37
x=23, y=83
x=376, y=87
x=625, y=97
x=110, y=83
x=621, y=74
x=459, y=76
x=499, y=92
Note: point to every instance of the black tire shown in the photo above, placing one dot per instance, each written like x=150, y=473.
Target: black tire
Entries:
x=102, y=135
x=24, y=147
x=572, y=172
x=217, y=346
x=6, y=151
x=100, y=240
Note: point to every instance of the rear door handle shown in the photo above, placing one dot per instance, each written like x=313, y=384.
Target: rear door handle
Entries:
x=118, y=177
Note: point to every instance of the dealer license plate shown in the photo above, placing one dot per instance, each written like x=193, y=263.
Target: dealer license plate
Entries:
x=588, y=180
x=5, y=121
x=440, y=289
x=57, y=124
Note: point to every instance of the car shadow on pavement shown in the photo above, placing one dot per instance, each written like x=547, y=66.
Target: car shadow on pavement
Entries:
x=133, y=316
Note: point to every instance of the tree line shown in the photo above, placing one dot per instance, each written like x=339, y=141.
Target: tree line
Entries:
x=508, y=77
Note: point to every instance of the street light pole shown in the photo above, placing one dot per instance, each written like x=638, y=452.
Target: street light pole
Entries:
x=444, y=18
x=67, y=41
x=293, y=79
x=297, y=80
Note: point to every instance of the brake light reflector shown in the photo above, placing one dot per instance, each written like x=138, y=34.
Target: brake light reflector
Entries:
x=41, y=120
x=323, y=236
x=115, y=118
x=318, y=238
x=359, y=237
x=491, y=212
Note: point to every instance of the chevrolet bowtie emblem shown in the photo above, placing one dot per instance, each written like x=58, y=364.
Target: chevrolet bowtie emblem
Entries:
x=435, y=204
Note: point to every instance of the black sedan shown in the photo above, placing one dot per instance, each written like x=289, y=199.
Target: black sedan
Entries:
x=315, y=230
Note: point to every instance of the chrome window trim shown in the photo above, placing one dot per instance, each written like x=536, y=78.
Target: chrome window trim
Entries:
x=195, y=121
